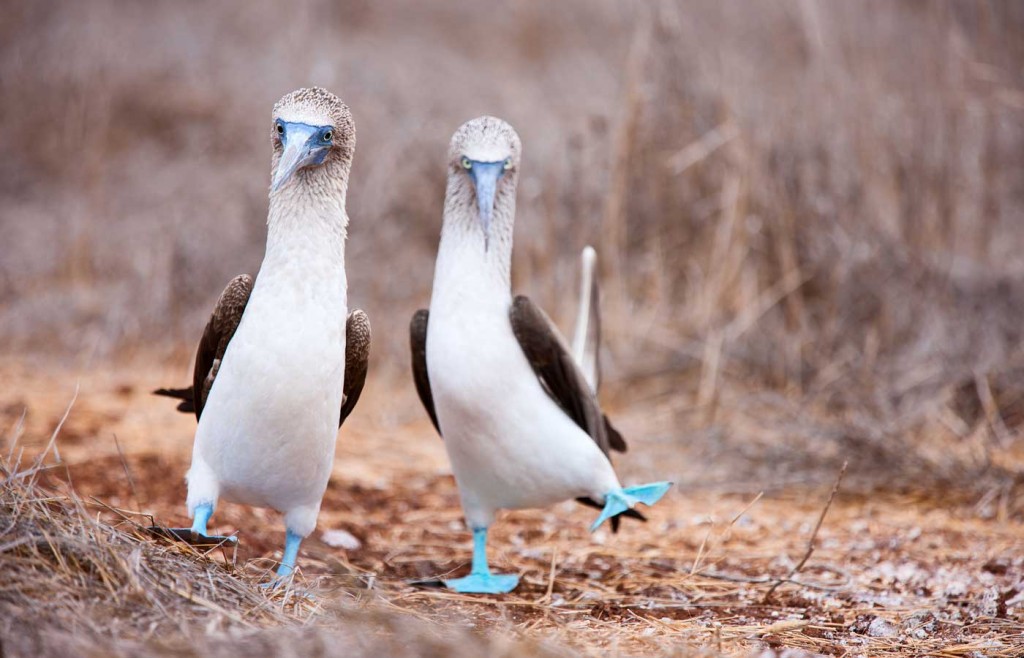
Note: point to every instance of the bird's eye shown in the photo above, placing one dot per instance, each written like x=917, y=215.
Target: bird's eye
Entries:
x=508, y=164
x=280, y=129
x=328, y=136
x=466, y=163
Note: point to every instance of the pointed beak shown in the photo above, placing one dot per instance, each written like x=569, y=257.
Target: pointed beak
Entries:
x=301, y=149
x=485, y=177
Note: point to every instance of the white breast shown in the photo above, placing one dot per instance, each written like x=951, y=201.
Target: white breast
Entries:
x=270, y=424
x=510, y=444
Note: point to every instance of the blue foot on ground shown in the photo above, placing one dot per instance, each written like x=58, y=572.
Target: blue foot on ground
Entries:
x=617, y=502
x=483, y=583
x=276, y=582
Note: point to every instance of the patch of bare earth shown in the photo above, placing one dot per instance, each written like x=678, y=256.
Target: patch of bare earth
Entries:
x=893, y=571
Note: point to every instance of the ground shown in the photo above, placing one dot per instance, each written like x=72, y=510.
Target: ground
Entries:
x=894, y=570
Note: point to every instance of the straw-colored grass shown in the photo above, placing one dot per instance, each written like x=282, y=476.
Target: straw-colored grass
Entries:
x=894, y=571
x=82, y=578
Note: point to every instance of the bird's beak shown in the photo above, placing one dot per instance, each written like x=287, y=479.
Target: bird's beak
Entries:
x=300, y=150
x=485, y=178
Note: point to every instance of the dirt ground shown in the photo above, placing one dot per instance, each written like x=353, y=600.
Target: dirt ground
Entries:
x=894, y=571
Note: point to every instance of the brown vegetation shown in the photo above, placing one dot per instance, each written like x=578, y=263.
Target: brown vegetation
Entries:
x=808, y=224
x=713, y=572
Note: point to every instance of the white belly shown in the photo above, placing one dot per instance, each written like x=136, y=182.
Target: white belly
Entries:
x=270, y=424
x=510, y=444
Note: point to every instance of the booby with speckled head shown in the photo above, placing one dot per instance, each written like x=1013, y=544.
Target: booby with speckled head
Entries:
x=280, y=365
x=520, y=420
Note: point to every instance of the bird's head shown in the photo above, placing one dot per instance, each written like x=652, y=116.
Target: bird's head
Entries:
x=312, y=130
x=484, y=157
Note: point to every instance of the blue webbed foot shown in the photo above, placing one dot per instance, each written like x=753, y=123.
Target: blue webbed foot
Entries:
x=617, y=502
x=483, y=583
x=480, y=579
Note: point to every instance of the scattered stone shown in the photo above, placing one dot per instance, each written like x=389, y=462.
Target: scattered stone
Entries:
x=882, y=628
x=341, y=539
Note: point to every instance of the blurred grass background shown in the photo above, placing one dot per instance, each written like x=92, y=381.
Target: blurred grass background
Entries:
x=808, y=215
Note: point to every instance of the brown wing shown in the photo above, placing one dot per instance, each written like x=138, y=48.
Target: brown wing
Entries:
x=563, y=380
x=218, y=333
x=418, y=346
x=558, y=372
x=357, y=360
x=216, y=336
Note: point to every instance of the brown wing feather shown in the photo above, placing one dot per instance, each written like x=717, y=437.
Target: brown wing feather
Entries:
x=418, y=346
x=357, y=360
x=558, y=372
x=565, y=383
x=219, y=330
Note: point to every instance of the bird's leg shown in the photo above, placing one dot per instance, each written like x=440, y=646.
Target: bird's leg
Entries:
x=198, y=534
x=202, y=517
x=618, y=501
x=291, y=553
x=479, y=565
x=480, y=579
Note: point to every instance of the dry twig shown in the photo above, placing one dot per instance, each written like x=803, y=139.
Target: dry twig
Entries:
x=814, y=535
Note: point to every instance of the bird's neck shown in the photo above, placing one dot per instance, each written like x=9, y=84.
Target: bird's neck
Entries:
x=307, y=222
x=466, y=261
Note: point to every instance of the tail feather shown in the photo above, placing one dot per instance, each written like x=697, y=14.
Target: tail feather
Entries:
x=186, y=396
x=622, y=501
x=587, y=337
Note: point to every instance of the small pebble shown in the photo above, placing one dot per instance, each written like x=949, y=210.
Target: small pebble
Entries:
x=341, y=539
x=881, y=628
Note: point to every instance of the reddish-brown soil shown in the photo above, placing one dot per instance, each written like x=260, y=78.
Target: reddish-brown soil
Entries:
x=894, y=572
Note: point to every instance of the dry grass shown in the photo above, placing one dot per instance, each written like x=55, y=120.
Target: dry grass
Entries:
x=713, y=573
x=83, y=578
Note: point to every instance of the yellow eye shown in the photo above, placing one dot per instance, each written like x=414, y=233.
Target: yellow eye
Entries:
x=508, y=164
x=466, y=164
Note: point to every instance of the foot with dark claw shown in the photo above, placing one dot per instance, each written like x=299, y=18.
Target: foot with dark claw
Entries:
x=187, y=536
x=196, y=535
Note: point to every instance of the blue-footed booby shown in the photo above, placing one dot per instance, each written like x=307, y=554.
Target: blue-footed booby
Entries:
x=279, y=367
x=520, y=421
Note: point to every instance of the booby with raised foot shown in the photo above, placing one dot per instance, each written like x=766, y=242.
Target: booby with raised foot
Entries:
x=520, y=420
x=281, y=363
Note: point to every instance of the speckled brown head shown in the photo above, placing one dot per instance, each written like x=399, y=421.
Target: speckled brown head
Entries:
x=483, y=161
x=314, y=137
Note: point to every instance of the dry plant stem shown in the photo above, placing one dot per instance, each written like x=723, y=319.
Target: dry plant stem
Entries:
x=725, y=534
x=127, y=473
x=814, y=535
x=33, y=473
x=551, y=576
x=988, y=404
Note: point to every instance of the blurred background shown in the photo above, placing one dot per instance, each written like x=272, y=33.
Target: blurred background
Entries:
x=809, y=216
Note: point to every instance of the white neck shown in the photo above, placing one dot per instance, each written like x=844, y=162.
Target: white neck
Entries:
x=307, y=221
x=467, y=263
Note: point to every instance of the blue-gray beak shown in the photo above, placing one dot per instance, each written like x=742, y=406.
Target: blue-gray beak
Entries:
x=304, y=145
x=485, y=177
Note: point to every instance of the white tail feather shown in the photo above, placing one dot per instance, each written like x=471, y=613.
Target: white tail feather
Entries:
x=587, y=336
